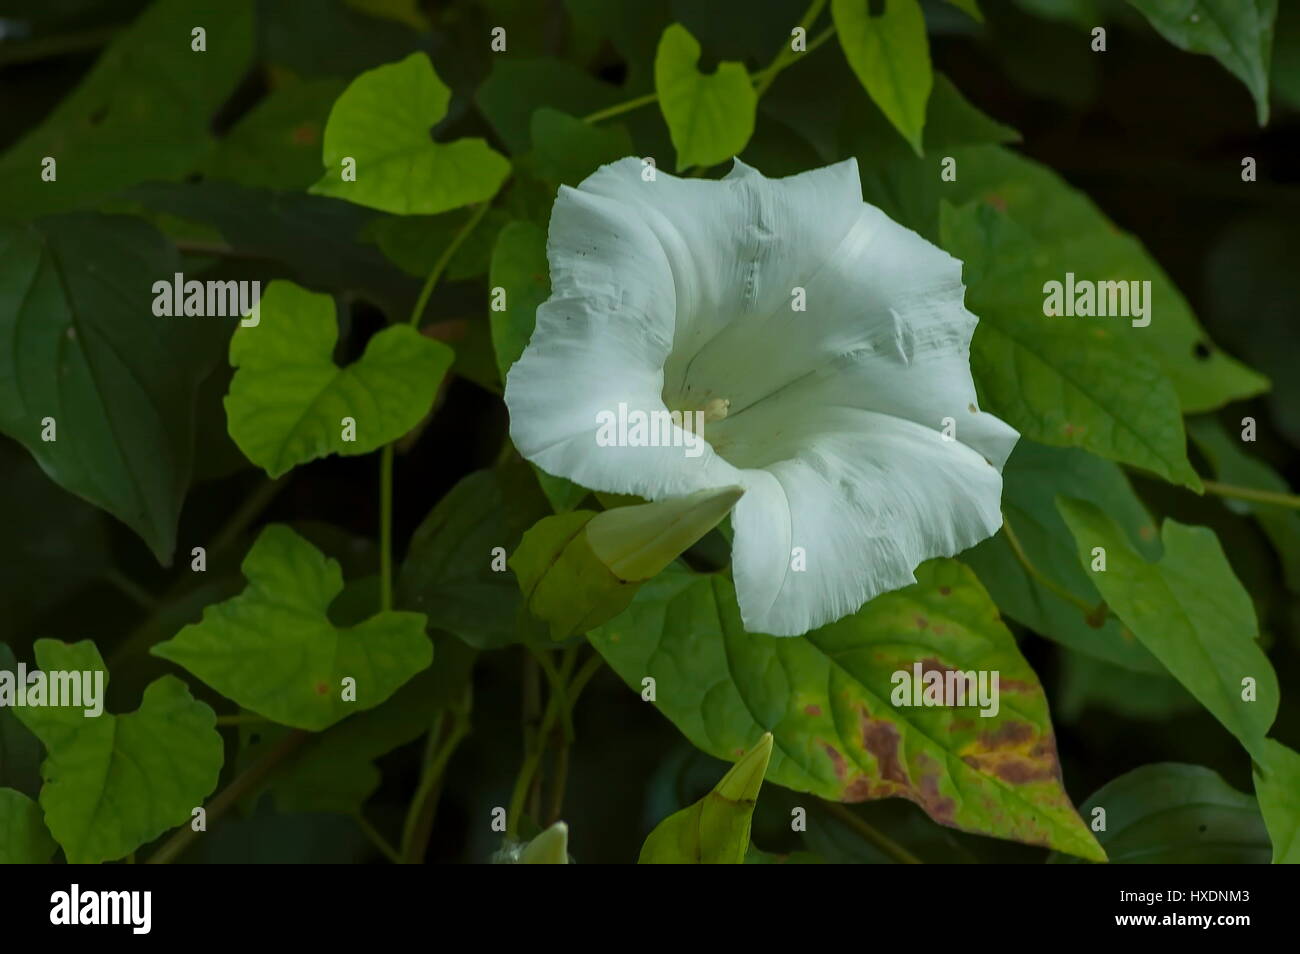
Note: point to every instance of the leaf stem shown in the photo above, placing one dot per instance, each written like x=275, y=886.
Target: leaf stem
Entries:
x=420, y=814
x=1271, y=497
x=245, y=783
x=444, y=259
x=870, y=833
x=132, y=590
x=528, y=770
x=248, y=511
x=376, y=839
x=761, y=79
x=1014, y=542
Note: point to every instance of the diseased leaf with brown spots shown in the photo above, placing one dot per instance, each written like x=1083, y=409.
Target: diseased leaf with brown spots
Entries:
x=826, y=698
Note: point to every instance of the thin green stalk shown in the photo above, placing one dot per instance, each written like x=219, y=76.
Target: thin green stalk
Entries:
x=785, y=55
x=1014, y=542
x=132, y=590
x=247, y=782
x=376, y=839
x=438, y=752
x=761, y=79
x=242, y=718
x=870, y=833
x=1271, y=497
x=441, y=264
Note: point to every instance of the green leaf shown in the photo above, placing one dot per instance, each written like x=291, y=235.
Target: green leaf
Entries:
x=1069, y=230
x=20, y=751
x=383, y=122
x=314, y=238
x=1032, y=478
x=1190, y=610
x=519, y=267
x=1087, y=683
x=415, y=243
x=455, y=573
x=75, y=294
x=289, y=401
x=1237, y=33
x=277, y=144
x=1233, y=465
x=827, y=699
x=891, y=56
x=517, y=88
x=715, y=830
x=116, y=782
x=274, y=650
x=335, y=771
x=1176, y=814
x=1277, y=786
x=1060, y=381
x=709, y=117
x=143, y=112
x=24, y=839
x=567, y=150
x=969, y=7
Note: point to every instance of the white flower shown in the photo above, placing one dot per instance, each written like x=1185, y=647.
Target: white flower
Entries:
x=682, y=295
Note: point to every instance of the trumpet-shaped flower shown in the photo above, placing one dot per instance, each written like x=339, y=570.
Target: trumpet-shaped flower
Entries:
x=777, y=334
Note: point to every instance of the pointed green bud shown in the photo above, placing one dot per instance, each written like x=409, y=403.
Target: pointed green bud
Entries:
x=715, y=830
x=639, y=541
x=580, y=569
x=551, y=847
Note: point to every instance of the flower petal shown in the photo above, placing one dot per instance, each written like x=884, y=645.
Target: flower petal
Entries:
x=868, y=497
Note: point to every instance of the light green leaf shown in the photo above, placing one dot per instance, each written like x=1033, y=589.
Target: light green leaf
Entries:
x=1190, y=610
x=1061, y=381
x=75, y=298
x=567, y=150
x=383, y=121
x=274, y=650
x=709, y=117
x=335, y=771
x=143, y=112
x=1176, y=814
x=1277, y=786
x=24, y=839
x=827, y=697
x=1237, y=33
x=116, y=782
x=288, y=400
x=1032, y=478
x=1233, y=465
x=715, y=830
x=891, y=56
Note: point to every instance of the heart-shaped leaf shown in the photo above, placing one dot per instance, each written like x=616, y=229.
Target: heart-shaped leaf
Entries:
x=891, y=56
x=116, y=782
x=383, y=123
x=710, y=118
x=290, y=403
x=274, y=650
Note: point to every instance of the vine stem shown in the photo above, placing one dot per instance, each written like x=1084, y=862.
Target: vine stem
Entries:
x=444, y=259
x=1254, y=495
x=528, y=770
x=245, y=783
x=438, y=752
x=1014, y=542
x=870, y=833
x=761, y=79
